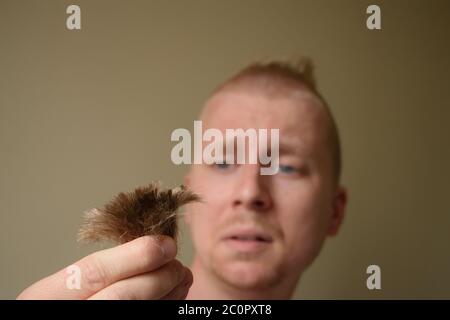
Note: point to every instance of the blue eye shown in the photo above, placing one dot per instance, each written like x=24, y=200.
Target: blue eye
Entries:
x=287, y=169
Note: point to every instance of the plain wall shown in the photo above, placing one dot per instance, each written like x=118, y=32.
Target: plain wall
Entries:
x=86, y=114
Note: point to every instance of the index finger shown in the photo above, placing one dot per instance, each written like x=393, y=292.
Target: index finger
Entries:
x=102, y=268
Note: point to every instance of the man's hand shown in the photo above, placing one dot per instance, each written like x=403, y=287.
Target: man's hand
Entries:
x=144, y=268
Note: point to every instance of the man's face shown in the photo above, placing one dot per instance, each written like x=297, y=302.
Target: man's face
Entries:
x=254, y=230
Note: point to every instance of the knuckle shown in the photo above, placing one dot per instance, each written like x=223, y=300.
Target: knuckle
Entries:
x=94, y=274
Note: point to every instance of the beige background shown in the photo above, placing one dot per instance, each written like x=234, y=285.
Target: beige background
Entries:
x=85, y=114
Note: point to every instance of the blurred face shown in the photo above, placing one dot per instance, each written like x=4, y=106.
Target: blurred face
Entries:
x=251, y=230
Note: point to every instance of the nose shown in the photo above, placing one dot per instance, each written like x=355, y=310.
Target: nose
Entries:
x=252, y=190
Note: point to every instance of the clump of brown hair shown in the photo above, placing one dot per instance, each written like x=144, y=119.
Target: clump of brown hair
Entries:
x=144, y=211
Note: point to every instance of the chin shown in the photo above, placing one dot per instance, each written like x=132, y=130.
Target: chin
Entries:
x=249, y=275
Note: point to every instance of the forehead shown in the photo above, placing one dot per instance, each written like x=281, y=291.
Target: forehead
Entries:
x=300, y=118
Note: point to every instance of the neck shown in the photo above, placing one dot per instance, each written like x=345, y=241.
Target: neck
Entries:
x=208, y=286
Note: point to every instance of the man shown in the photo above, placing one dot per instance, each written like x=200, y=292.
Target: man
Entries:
x=254, y=234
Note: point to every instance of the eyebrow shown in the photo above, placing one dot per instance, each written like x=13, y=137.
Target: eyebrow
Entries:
x=288, y=148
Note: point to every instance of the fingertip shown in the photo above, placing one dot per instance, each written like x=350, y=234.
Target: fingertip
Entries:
x=168, y=247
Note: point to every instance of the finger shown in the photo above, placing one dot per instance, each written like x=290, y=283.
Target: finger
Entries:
x=147, y=286
x=100, y=269
x=181, y=291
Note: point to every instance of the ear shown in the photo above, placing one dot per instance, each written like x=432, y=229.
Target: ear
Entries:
x=339, y=206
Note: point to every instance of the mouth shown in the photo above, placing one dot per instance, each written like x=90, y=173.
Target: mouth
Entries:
x=248, y=240
x=257, y=238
